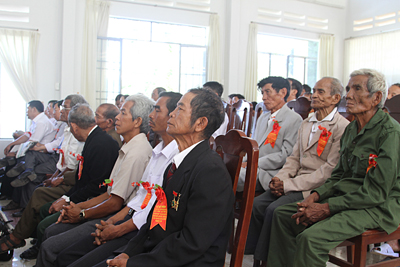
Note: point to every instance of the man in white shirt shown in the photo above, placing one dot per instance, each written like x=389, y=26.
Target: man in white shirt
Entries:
x=49, y=111
x=116, y=230
x=217, y=88
x=41, y=131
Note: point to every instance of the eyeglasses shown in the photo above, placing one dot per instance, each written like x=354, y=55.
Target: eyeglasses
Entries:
x=64, y=108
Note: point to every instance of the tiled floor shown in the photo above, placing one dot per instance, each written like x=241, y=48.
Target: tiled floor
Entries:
x=247, y=261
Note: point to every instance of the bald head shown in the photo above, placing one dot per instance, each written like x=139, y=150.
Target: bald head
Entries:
x=105, y=116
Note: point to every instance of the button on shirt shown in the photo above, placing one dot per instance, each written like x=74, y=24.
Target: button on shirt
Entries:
x=317, y=123
x=161, y=158
x=129, y=167
x=70, y=144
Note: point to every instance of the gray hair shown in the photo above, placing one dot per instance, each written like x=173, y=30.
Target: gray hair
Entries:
x=76, y=99
x=82, y=115
x=336, y=87
x=376, y=83
x=142, y=107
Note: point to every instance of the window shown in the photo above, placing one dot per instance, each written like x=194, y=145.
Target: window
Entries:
x=139, y=56
x=287, y=57
x=12, y=107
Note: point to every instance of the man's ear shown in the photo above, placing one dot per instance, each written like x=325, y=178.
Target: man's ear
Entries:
x=283, y=92
x=110, y=122
x=336, y=99
x=377, y=97
x=200, y=124
x=138, y=122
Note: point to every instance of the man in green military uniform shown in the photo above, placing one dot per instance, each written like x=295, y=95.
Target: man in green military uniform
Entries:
x=363, y=191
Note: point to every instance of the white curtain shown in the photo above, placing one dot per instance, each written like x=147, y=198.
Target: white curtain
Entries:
x=380, y=52
x=214, y=51
x=96, y=24
x=326, y=50
x=18, y=54
x=250, y=82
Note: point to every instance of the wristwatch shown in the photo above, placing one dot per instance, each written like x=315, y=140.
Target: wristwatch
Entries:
x=66, y=198
x=82, y=215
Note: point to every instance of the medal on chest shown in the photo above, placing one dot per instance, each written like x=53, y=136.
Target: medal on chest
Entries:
x=175, y=201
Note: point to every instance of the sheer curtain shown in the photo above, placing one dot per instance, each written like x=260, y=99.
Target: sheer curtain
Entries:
x=214, y=50
x=379, y=51
x=96, y=23
x=18, y=54
x=250, y=82
x=326, y=50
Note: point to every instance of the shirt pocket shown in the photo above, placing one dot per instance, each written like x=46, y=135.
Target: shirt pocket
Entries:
x=359, y=162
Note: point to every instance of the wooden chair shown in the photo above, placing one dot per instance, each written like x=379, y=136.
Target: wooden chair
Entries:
x=241, y=116
x=232, y=147
x=342, y=110
x=357, y=248
x=302, y=106
x=393, y=107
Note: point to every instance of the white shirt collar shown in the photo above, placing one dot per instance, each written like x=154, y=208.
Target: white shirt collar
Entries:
x=182, y=155
x=38, y=116
x=327, y=118
x=166, y=151
x=92, y=129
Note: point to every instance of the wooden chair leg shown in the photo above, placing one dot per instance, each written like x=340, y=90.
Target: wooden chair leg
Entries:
x=350, y=253
x=360, y=254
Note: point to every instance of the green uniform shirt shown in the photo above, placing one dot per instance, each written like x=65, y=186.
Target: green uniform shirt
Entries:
x=378, y=191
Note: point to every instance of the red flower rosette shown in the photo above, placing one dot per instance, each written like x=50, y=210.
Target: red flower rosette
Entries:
x=323, y=139
x=80, y=159
x=273, y=135
x=371, y=161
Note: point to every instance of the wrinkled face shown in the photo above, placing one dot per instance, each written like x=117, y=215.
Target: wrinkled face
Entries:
x=321, y=97
x=154, y=95
x=179, y=119
x=65, y=108
x=124, y=123
x=272, y=100
x=159, y=116
x=393, y=90
x=358, y=99
x=56, y=112
x=101, y=121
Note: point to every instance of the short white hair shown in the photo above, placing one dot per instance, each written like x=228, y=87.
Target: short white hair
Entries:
x=376, y=82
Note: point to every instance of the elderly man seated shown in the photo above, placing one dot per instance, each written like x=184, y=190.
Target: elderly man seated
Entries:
x=275, y=133
x=133, y=124
x=190, y=223
x=362, y=192
x=314, y=156
x=105, y=118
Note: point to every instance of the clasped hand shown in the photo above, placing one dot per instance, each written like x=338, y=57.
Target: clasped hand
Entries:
x=70, y=214
x=309, y=212
x=276, y=187
x=105, y=231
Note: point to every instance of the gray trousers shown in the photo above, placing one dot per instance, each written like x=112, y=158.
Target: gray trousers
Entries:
x=41, y=163
x=57, y=237
x=261, y=221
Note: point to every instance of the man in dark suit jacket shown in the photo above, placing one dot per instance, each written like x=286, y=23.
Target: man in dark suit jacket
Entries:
x=199, y=195
x=99, y=154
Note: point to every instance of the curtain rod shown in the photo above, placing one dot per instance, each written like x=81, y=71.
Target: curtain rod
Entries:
x=169, y=7
x=290, y=28
x=370, y=34
x=16, y=28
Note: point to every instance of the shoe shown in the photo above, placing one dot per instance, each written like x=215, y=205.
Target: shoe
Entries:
x=10, y=206
x=18, y=213
x=16, y=170
x=7, y=161
x=30, y=254
x=24, y=178
x=385, y=250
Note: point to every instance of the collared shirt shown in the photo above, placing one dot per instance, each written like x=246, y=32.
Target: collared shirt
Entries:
x=182, y=155
x=153, y=174
x=57, y=138
x=222, y=129
x=54, y=121
x=272, y=117
x=71, y=148
x=129, y=167
x=377, y=190
x=42, y=130
x=317, y=123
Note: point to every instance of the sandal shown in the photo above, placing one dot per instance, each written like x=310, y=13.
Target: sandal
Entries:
x=386, y=250
x=10, y=244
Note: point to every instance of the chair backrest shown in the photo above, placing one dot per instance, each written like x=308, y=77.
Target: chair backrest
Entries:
x=301, y=106
x=393, y=107
x=342, y=110
x=232, y=147
x=241, y=116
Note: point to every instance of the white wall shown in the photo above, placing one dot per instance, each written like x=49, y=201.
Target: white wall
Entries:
x=44, y=15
